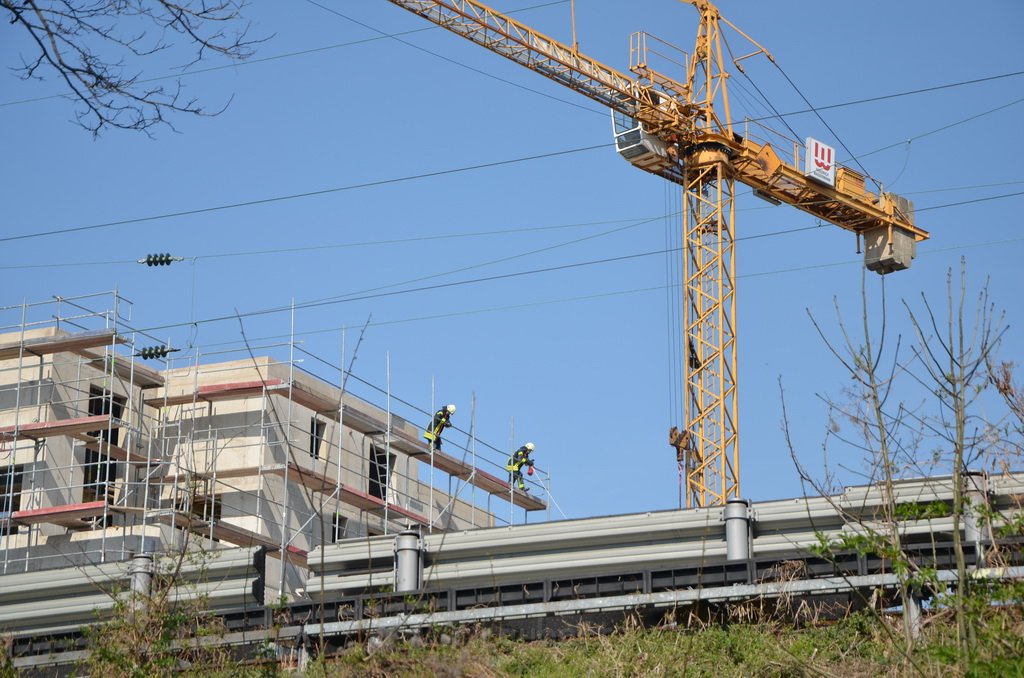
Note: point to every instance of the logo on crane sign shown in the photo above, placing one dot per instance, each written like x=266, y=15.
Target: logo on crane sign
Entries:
x=820, y=162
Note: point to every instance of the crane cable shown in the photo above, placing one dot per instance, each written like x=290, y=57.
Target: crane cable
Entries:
x=753, y=84
x=827, y=126
x=453, y=61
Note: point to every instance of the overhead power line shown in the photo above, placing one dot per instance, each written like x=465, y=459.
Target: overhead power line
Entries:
x=306, y=194
x=507, y=276
x=277, y=57
x=414, y=177
x=588, y=297
x=501, y=231
x=969, y=202
x=944, y=127
x=433, y=237
x=895, y=95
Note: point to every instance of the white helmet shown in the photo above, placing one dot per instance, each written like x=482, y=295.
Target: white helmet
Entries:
x=529, y=446
x=450, y=408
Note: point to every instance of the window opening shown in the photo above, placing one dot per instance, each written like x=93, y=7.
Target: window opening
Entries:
x=381, y=464
x=339, y=525
x=10, y=497
x=100, y=471
x=316, y=436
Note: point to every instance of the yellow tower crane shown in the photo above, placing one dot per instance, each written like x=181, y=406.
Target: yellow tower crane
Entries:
x=683, y=132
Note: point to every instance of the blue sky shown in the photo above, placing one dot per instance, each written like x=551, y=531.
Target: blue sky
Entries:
x=574, y=359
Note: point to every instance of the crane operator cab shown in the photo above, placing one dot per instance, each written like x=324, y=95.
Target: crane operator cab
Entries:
x=636, y=145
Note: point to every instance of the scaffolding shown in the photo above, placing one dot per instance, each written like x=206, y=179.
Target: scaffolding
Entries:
x=103, y=456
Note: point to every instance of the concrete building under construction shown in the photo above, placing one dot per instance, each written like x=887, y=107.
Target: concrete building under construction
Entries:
x=103, y=457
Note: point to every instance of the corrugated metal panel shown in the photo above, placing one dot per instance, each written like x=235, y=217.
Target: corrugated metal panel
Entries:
x=626, y=602
x=64, y=599
x=904, y=491
x=60, y=600
x=593, y=546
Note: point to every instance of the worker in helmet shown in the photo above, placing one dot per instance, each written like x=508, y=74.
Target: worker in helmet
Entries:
x=516, y=462
x=442, y=420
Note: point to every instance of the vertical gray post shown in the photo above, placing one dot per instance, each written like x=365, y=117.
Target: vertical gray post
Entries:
x=737, y=529
x=408, y=560
x=975, y=497
x=912, y=615
x=141, y=573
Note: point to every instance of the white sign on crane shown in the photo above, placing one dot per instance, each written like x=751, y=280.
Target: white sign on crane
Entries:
x=820, y=162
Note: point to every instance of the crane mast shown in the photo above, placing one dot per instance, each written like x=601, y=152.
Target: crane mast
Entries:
x=683, y=132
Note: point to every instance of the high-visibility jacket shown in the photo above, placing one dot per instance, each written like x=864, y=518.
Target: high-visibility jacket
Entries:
x=441, y=421
x=519, y=459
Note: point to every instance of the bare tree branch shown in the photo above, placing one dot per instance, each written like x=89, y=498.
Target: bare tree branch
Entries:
x=94, y=47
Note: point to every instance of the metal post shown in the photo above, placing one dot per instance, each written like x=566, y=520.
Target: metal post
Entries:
x=511, y=490
x=409, y=560
x=386, y=488
x=433, y=446
x=737, y=529
x=141, y=573
x=285, y=512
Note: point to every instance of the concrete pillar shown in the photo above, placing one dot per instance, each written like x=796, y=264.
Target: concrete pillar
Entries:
x=141, y=573
x=408, y=560
x=737, y=529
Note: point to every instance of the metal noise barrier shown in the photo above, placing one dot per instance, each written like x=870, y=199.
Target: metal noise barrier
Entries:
x=737, y=529
x=409, y=560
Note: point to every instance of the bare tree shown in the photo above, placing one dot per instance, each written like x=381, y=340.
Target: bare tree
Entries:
x=880, y=428
x=954, y=356
x=950, y=364
x=95, y=47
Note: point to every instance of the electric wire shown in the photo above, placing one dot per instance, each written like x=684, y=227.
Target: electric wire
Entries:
x=419, y=410
x=762, y=235
x=424, y=288
x=943, y=128
x=306, y=194
x=348, y=245
x=969, y=202
x=965, y=188
x=602, y=295
x=381, y=391
x=276, y=57
x=491, y=262
x=457, y=63
x=402, y=179
x=895, y=95
x=634, y=220
x=517, y=274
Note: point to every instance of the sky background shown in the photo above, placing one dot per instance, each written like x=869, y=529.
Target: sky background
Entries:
x=387, y=131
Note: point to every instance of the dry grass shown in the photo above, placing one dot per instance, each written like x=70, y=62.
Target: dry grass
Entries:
x=855, y=646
